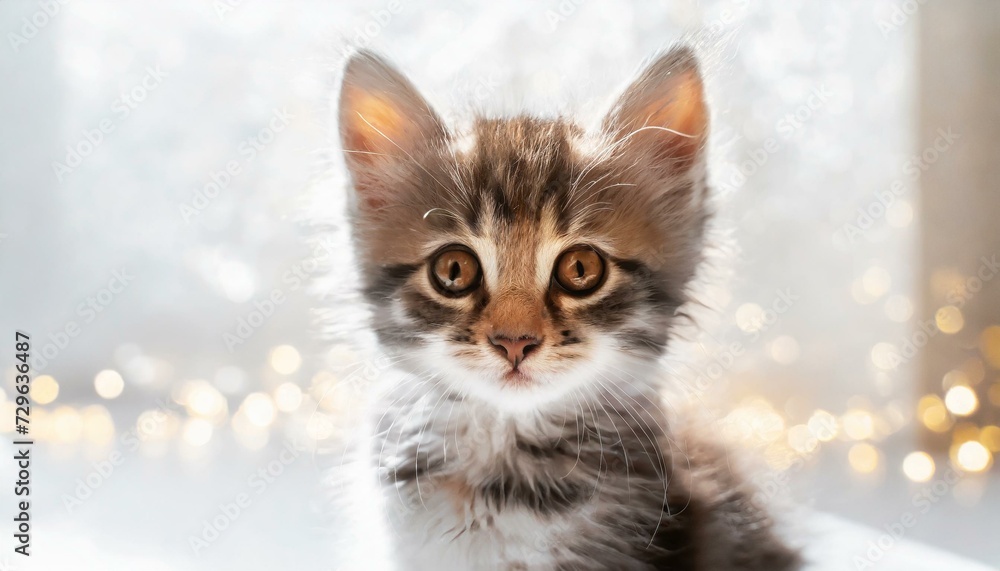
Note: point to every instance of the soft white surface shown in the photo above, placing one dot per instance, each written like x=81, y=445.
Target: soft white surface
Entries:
x=838, y=544
x=835, y=545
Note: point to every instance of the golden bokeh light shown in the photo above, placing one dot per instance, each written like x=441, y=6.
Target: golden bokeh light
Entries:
x=197, y=431
x=949, y=319
x=750, y=317
x=858, y=424
x=961, y=400
x=203, y=400
x=919, y=466
x=287, y=397
x=823, y=425
x=876, y=281
x=885, y=356
x=933, y=414
x=801, y=439
x=755, y=420
x=285, y=359
x=98, y=426
x=990, y=438
x=973, y=457
x=899, y=214
x=259, y=409
x=67, y=425
x=44, y=389
x=109, y=384
x=863, y=457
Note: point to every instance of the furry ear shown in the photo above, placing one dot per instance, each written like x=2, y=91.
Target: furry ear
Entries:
x=664, y=111
x=384, y=123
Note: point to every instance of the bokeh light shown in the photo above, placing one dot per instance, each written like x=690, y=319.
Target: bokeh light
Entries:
x=287, y=397
x=858, y=424
x=44, y=389
x=949, y=319
x=197, y=431
x=863, y=458
x=972, y=456
x=918, y=466
x=109, y=384
x=750, y=317
x=961, y=400
x=67, y=425
x=201, y=399
x=933, y=414
x=259, y=409
x=876, y=281
x=98, y=426
x=285, y=359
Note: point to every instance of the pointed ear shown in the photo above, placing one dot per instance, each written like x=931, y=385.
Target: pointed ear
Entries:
x=664, y=111
x=384, y=122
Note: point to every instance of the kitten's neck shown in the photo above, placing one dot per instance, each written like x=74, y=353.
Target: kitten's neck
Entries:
x=439, y=431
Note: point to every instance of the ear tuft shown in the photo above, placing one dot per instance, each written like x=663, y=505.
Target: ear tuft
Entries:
x=664, y=109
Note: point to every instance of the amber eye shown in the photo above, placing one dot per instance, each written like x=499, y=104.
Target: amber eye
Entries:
x=579, y=270
x=455, y=271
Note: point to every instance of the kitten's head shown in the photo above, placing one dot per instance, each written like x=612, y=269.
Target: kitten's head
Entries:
x=525, y=259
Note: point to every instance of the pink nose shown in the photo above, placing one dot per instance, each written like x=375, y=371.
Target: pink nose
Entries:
x=514, y=348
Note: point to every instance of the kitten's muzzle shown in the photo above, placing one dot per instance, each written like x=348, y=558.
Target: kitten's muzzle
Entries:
x=515, y=349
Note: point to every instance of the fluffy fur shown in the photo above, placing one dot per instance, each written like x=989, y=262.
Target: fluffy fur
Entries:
x=567, y=460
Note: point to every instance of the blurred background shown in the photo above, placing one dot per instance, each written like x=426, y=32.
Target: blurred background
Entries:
x=171, y=240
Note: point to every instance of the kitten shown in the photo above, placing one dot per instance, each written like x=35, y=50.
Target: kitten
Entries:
x=525, y=276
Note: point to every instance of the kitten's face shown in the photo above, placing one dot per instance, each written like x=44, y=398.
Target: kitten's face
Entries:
x=526, y=260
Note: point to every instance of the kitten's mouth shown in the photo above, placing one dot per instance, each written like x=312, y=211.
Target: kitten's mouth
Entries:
x=517, y=378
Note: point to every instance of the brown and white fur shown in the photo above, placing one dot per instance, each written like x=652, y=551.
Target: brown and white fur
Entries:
x=563, y=458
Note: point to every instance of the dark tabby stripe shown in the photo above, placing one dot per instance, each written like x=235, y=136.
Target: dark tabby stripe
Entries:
x=544, y=495
x=388, y=279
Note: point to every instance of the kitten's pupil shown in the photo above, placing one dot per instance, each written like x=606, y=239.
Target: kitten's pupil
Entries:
x=579, y=269
x=455, y=271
